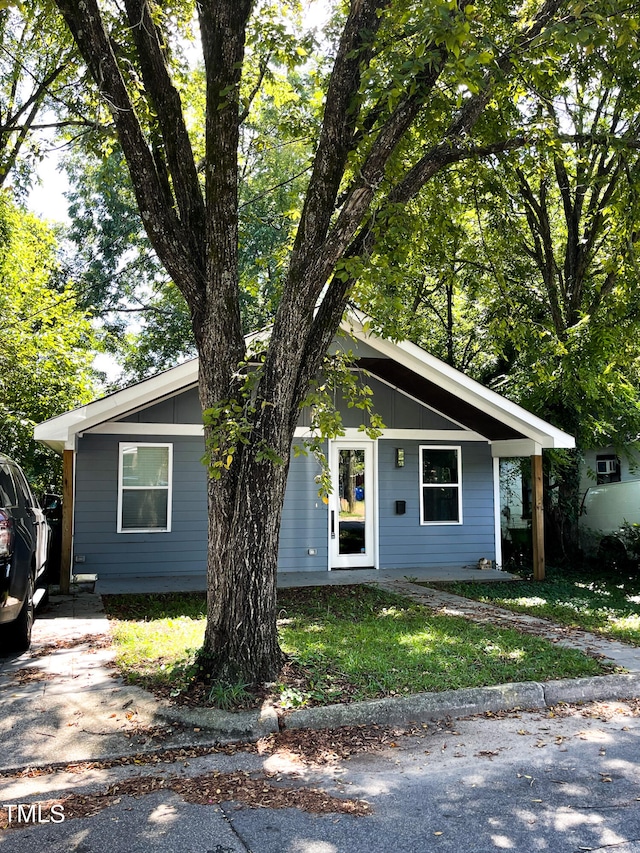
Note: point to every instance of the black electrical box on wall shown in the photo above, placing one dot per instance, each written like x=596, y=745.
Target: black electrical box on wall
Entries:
x=401, y=507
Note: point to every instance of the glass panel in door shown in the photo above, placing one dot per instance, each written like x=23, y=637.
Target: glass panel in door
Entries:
x=352, y=516
x=352, y=536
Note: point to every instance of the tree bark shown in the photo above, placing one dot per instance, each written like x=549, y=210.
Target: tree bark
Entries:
x=241, y=642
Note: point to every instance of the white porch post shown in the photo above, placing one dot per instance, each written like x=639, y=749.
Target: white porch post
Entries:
x=497, y=515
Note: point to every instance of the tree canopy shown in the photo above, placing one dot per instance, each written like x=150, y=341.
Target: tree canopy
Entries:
x=45, y=341
x=522, y=268
x=119, y=275
x=534, y=252
x=38, y=88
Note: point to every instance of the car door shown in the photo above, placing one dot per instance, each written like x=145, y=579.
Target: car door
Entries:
x=34, y=520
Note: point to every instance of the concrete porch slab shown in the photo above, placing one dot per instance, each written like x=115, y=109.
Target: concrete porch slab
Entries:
x=125, y=584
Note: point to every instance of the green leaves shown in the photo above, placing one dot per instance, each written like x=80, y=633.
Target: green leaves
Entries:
x=46, y=341
x=37, y=67
x=228, y=425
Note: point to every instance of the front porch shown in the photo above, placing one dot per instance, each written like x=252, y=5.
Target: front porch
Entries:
x=197, y=583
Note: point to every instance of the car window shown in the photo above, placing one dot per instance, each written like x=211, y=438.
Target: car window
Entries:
x=25, y=498
x=7, y=487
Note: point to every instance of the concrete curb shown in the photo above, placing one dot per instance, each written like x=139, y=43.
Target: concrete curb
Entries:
x=246, y=725
x=573, y=690
x=420, y=706
x=527, y=695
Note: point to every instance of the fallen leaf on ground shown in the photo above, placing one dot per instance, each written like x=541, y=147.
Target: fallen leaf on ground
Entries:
x=212, y=788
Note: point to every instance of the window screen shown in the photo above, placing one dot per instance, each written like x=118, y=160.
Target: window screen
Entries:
x=145, y=488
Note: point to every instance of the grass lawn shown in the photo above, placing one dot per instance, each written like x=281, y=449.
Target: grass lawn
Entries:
x=343, y=643
x=582, y=599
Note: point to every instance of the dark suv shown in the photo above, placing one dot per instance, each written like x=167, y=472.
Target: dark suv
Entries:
x=24, y=543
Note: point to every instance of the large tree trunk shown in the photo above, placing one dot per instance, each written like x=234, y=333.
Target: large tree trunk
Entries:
x=245, y=503
x=241, y=642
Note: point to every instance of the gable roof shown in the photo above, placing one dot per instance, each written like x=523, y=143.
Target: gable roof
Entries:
x=511, y=429
x=453, y=393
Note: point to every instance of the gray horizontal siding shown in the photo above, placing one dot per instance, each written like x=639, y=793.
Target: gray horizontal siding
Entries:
x=182, y=408
x=182, y=551
x=304, y=520
x=396, y=410
x=404, y=542
x=343, y=343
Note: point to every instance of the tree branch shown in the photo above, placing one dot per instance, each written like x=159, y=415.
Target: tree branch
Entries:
x=36, y=96
x=436, y=158
x=171, y=241
x=168, y=110
x=223, y=28
x=274, y=188
x=336, y=136
x=264, y=64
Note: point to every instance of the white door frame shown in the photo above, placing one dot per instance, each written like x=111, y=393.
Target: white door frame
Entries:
x=370, y=558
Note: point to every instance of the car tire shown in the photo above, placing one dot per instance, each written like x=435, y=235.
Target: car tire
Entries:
x=19, y=632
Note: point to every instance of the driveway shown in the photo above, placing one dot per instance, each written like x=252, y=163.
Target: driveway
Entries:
x=62, y=700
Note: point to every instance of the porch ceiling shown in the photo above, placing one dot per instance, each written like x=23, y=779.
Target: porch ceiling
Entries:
x=439, y=398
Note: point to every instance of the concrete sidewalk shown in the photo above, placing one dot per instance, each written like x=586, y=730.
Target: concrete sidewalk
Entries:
x=63, y=703
x=62, y=700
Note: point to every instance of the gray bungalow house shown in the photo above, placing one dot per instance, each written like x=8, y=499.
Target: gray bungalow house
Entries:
x=424, y=494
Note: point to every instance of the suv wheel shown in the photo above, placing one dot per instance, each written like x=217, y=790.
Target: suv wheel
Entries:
x=19, y=632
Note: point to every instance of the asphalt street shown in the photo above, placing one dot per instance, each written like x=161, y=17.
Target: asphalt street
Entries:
x=561, y=781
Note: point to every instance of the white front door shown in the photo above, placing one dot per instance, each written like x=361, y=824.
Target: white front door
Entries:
x=352, y=505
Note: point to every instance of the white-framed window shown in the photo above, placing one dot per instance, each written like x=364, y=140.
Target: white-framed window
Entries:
x=440, y=485
x=144, y=487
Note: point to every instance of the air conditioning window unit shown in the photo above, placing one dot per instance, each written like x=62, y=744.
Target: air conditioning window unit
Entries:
x=607, y=466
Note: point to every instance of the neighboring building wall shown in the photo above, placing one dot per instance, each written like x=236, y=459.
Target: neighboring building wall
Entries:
x=629, y=465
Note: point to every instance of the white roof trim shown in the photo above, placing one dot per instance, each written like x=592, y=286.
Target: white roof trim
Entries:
x=352, y=433
x=60, y=432
x=515, y=447
x=467, y=389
